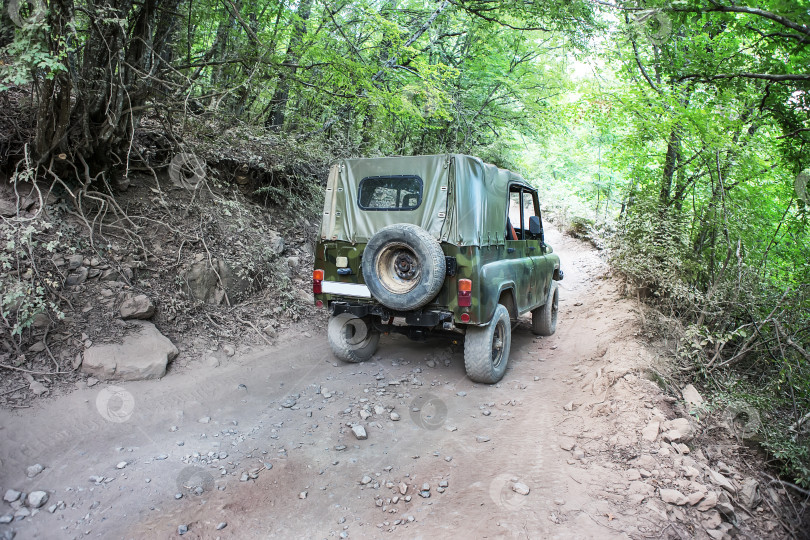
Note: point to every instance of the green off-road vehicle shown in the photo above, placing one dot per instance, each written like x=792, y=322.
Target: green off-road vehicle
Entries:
x=442, y=243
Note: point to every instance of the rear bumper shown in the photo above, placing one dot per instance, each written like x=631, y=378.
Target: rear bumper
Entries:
x=428, y=317
x=355, y=290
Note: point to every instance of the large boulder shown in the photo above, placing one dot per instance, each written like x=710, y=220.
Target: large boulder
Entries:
x=678, y=429
x=201, y=282
x=749, y=494
x=143, y=354
x=137, y=307
x=692, y=398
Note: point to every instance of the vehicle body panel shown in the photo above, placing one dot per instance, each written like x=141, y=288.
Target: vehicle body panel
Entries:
x=464, y=206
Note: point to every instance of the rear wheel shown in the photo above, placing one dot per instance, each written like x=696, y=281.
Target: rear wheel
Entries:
x=486, y=348
x=352, y=339
x=544, y=318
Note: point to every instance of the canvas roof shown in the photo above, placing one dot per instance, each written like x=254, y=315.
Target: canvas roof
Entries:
x=464, y=200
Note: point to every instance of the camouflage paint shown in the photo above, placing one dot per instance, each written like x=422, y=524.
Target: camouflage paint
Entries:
x=492, y=269
x=469, y=221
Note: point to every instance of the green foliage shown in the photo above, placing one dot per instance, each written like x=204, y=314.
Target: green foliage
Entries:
x=649, y=249
x=32, y=56
x=25, y=289
x=702, y=133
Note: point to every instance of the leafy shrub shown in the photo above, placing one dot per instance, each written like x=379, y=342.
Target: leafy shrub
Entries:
x=651, y=249
x=746, y=339
x=25, y=286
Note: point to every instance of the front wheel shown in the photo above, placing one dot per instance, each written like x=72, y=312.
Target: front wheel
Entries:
x=351, y=338
x=544, y=318
x=486, y=348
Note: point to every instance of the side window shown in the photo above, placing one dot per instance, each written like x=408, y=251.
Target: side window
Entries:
x=522, y=208
x=513, y=221
x=529, y=208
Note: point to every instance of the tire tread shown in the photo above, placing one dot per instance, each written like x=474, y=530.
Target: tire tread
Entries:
x=544, y=320
x=347, y=352
x=478, y=349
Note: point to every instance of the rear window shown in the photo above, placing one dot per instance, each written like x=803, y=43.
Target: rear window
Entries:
x=390, y=193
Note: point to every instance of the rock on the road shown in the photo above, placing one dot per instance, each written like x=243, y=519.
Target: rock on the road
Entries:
x=143, y=354
x=34, y=470
x=37, y=499
x=359, y=432
x=289, y=402
x=11, y=495
x=520, y=488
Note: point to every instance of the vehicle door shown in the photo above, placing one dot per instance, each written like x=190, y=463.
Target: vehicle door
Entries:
x=517, y=250
x=543, y=268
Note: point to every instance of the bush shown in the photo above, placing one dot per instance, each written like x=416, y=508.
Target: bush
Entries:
x=26, y=284
x=743, y=337
x=651, y=249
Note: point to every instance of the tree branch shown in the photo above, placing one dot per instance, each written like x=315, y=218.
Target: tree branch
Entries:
x=717, y=8
x=638, y=60
x=477, y=13
x=774, y=77
x=784, y=21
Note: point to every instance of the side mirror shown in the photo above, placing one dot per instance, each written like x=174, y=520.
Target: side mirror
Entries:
x=534, y=225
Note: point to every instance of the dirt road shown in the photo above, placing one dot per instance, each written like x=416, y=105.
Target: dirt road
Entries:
x=262, y=442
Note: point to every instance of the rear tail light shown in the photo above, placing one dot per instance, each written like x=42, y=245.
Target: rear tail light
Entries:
x=464, y=293
x=317, y=279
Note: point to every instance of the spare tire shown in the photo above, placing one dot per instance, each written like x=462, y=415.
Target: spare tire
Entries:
x=403, y=266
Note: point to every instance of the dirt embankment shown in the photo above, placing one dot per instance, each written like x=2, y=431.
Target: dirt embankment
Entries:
x=574, y=442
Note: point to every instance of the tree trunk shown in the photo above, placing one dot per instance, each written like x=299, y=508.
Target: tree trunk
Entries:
x=110, y=82
x=670, y=162
x=220, y=48
x=278, y=103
